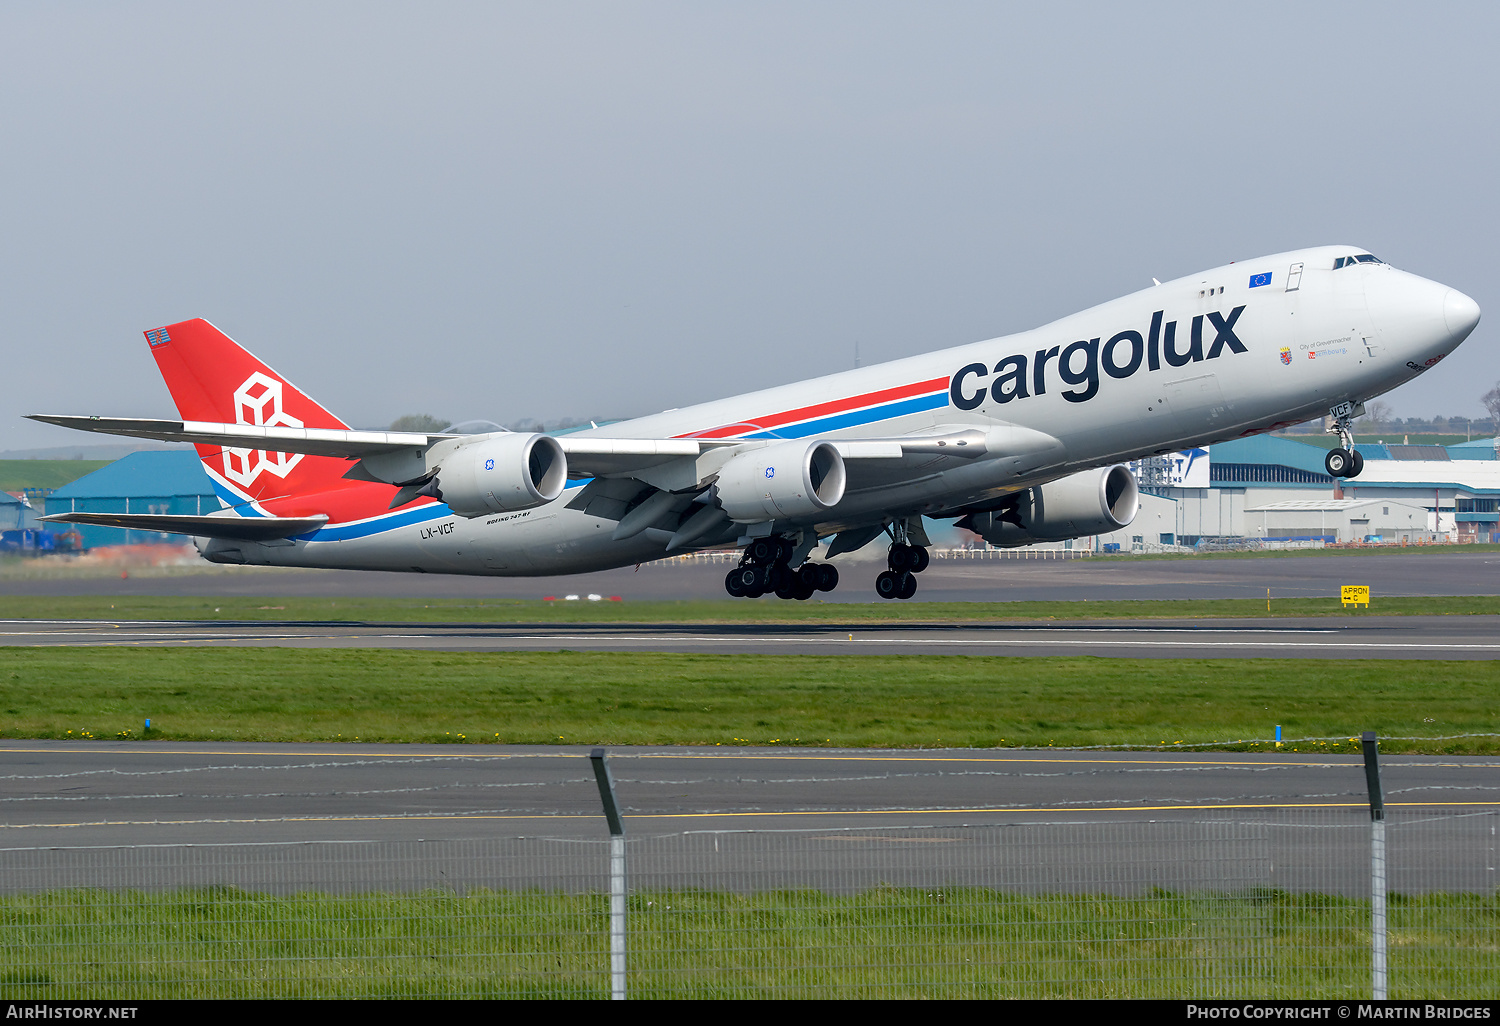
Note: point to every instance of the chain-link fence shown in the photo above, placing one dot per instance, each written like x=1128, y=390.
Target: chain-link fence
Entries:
x=1247, y=901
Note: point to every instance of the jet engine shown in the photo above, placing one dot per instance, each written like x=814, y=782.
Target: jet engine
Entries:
x=1093, y=502
x=788, y=479
x=501, y=473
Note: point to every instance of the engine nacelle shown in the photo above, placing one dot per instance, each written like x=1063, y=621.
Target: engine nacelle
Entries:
x=1093, y=502
x=788, y=479
x=501, y=473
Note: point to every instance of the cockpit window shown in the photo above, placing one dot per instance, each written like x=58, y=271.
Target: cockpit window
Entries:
x=1350, y=261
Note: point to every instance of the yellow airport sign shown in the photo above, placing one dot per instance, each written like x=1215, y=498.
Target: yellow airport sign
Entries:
x=1356, y=595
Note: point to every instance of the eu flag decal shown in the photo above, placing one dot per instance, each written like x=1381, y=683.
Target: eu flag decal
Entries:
x=1257, y=280
x=158, y=337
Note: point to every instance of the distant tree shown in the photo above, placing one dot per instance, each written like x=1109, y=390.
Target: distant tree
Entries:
x=418, y=422
x=1491, y=400
x=1379, y=414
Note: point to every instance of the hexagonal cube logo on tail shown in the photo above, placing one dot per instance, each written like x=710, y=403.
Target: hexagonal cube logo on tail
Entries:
x=258, y=402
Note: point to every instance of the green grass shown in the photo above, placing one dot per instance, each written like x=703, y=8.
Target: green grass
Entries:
x=18, y=474
x=571, y=698
x=765, y=610
x=884, y=943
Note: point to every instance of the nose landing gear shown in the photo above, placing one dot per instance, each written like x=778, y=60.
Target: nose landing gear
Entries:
x=1344, y=461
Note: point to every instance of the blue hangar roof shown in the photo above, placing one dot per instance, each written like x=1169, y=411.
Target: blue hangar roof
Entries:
x=1267, y=459
x=1478, y=449
x=143, y=482
x=1271, y=449
x=143, y=475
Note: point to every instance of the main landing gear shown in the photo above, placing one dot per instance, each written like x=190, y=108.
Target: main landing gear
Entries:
x=900, y=581
x=1344, y=461
x=764, y=569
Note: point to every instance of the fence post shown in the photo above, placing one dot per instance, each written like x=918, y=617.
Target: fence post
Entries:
x=1377, y=867
x=616, y=875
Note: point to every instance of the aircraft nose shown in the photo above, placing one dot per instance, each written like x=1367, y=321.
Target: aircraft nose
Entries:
x=1460, y=314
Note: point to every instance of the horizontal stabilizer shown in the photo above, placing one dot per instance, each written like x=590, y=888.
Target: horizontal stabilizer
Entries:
x=313, y=441
x=245, y=528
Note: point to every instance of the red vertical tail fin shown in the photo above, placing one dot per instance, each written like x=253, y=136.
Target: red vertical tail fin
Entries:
x=213, y=379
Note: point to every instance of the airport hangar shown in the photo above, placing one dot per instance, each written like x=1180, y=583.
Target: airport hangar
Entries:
x=1265, y=487
x=1272, y=487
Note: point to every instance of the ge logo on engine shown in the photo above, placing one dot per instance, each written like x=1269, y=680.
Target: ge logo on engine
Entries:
x=770, y=471
x=489, y=464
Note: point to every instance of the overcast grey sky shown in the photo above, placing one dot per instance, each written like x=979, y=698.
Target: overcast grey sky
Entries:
x=549, y=210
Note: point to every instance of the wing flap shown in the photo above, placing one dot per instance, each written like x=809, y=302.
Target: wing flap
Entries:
x=243, y=528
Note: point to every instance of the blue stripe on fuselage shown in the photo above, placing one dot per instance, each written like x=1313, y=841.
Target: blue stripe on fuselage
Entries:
x=392, y=521
x=234, y=501
x=379, y=525
x=921, y=403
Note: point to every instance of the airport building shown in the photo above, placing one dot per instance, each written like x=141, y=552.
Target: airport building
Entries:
x=170, y=481
x=1275, y=487
x=16, y=513
x=1339, y=520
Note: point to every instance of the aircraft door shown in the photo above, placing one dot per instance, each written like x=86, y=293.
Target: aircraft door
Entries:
x=1197, y=404
x=1367, y=334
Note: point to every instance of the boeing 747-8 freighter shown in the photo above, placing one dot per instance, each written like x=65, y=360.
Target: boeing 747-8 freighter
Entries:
x=1020, y=439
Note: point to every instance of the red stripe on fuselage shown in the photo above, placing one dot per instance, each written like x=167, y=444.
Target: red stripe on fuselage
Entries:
x=776, y=420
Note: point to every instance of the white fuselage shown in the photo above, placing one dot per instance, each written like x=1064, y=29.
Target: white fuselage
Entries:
x=1186, y=363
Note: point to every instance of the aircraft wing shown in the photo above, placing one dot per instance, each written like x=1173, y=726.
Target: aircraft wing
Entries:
x=588, y=455
x=211, y=526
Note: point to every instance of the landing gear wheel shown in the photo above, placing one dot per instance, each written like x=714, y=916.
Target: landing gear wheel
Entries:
x=896, y=585
x=765, y=550
x=1358, y=464
x=734, y=583
x=807, y=582
x=903, y=558
x=746, y=582
x=775, y=576
x=789, y=582
x=1338, y=462
x=828, y=576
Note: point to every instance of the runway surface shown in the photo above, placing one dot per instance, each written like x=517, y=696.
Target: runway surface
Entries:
x=1031, y=579
x=72, y=813
x=346, y=817
x=1368, y=637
